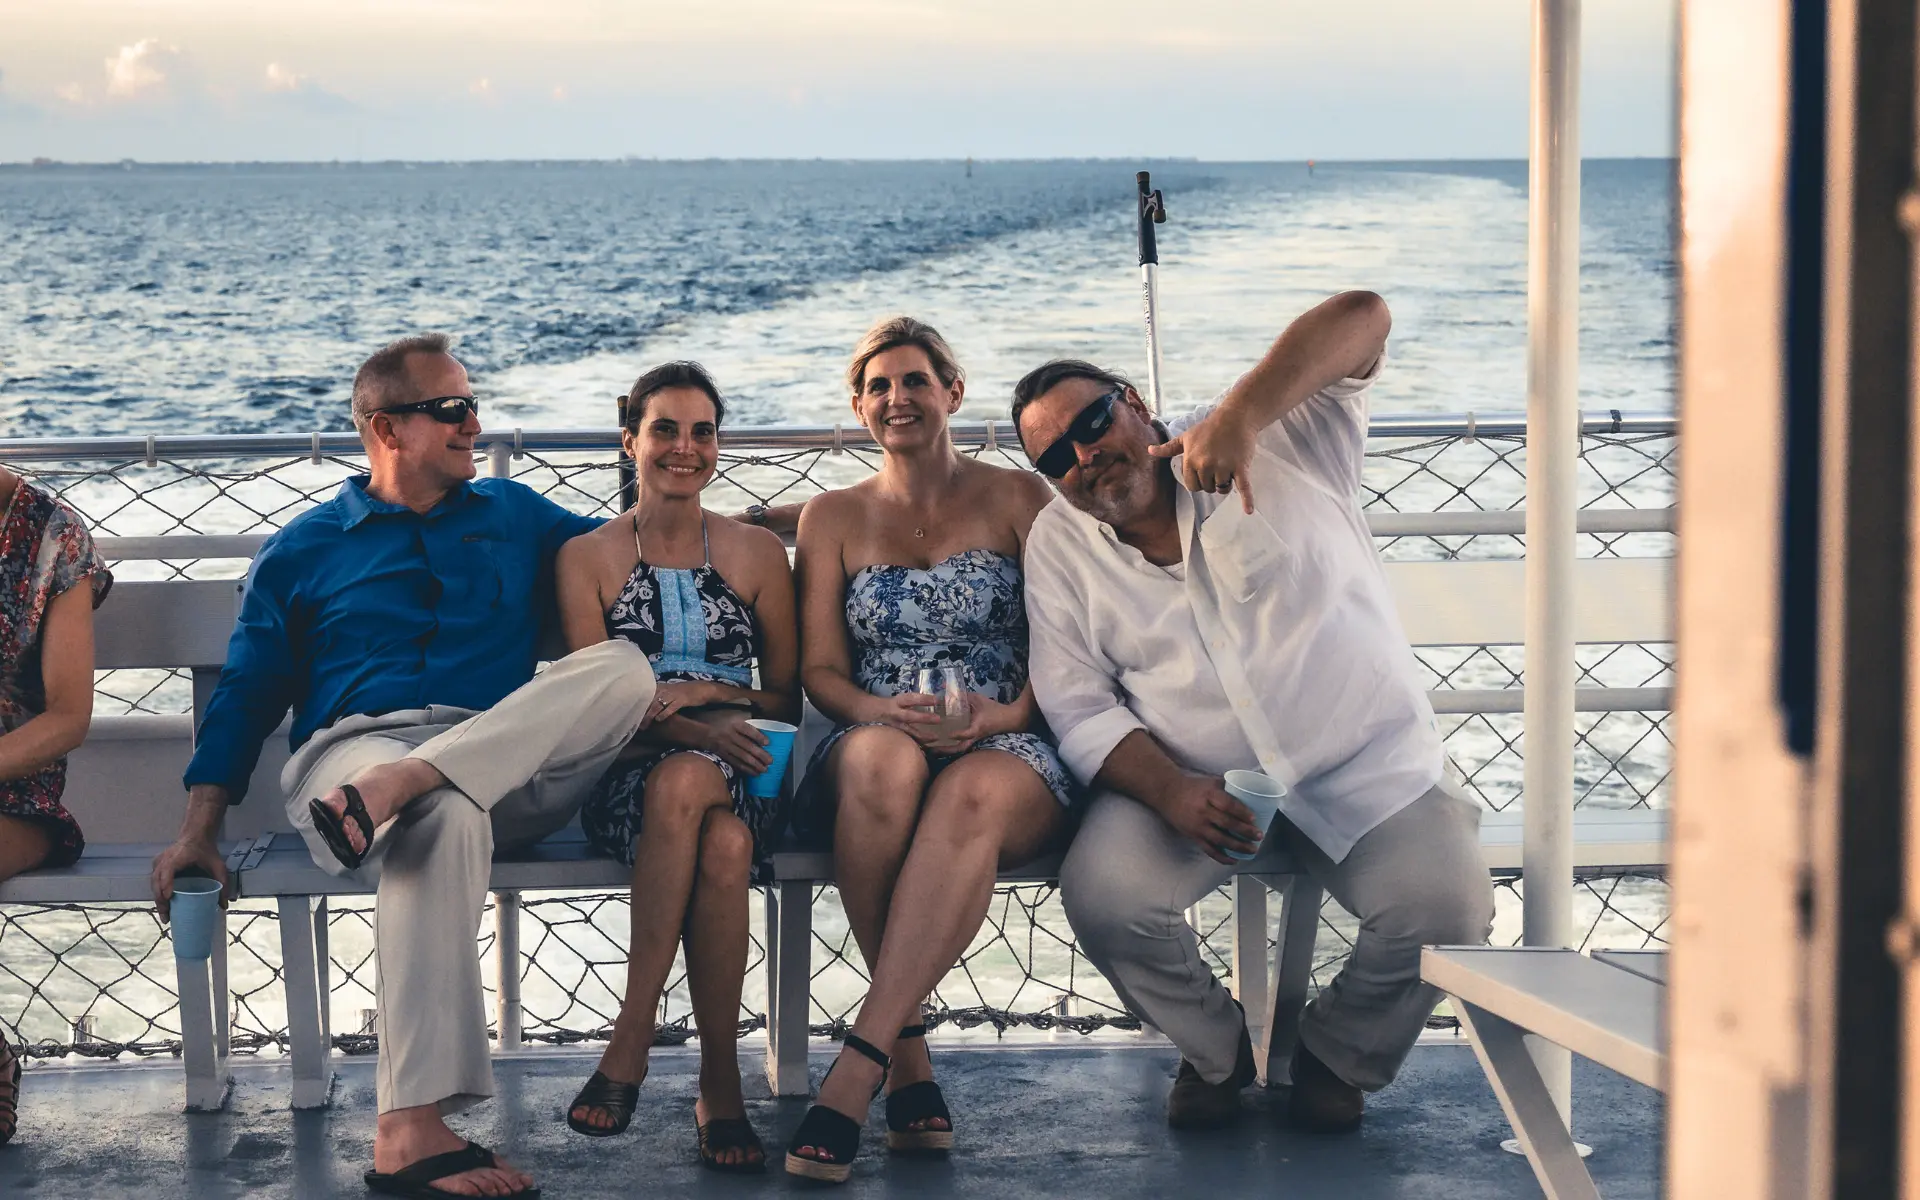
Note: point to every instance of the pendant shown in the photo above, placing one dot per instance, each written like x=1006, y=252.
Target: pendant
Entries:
x=919, y=533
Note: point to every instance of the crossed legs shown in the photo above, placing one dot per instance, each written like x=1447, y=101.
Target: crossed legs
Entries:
x=691, y=864
x=916, y=866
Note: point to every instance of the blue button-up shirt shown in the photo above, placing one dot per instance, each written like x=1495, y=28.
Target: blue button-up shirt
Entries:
x=360, y=606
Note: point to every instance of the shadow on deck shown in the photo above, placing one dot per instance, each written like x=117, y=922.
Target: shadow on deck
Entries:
x=1075, y=1119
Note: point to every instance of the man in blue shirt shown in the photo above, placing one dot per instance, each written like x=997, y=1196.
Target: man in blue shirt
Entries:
x=400, y=620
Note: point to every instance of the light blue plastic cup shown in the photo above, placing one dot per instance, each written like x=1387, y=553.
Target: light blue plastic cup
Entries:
x=1261, y=794
x=780, y=737
x=195, y=905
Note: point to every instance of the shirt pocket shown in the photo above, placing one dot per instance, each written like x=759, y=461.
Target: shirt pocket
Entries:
x=1243, y=552
x=480, y=581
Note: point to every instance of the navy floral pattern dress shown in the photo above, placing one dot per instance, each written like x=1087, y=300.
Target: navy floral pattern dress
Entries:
x=966, y=611
x=693, y=626
x=44, y=550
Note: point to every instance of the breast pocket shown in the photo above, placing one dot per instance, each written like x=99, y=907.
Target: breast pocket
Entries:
x=1244, y=554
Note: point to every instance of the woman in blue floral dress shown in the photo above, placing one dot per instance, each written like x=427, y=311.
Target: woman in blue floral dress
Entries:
x=918, y=566
x=51, y=580
x=708, y=599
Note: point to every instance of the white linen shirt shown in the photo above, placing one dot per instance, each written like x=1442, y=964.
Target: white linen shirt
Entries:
x=1281, y=649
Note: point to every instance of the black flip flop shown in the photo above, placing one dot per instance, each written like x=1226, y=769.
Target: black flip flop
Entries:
x=417, y=1180
x=731, y=1133
x=617, y=1098
x=332, y=827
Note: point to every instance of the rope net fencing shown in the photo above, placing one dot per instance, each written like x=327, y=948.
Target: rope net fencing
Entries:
x=97, y=979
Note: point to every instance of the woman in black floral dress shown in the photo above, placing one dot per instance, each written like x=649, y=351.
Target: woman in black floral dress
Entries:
x=708, y=599
x=46, y=691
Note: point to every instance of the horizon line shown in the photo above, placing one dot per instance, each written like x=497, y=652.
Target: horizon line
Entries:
x=43, y=162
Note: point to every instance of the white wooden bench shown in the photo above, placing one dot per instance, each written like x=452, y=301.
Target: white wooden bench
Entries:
x=1606, y=1008
x=125, y=789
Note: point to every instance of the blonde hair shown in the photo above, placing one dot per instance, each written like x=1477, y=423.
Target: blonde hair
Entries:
x=902, y=331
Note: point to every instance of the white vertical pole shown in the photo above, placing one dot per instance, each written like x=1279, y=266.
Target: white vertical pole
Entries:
x=509, y=1014
x=1553, y=457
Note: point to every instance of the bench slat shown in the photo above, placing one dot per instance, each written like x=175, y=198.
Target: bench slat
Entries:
x=1485, y=603
x=165, y=623
x=1599, y=1012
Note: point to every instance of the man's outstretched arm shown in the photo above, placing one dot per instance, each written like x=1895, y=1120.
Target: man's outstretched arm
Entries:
x=1338, y=338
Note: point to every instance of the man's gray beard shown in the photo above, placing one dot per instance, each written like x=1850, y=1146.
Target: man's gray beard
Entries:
x=1117, y=507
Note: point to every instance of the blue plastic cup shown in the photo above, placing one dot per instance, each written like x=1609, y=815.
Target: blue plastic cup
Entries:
x=194, y=907
x=780, y=737
x=1261, y=794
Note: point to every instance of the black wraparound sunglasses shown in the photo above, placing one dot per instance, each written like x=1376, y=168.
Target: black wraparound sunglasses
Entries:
x=1089, y=425
x=448, y=410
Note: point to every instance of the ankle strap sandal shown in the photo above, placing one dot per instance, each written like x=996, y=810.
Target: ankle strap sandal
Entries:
x=833, y=1136
x=918, y=1105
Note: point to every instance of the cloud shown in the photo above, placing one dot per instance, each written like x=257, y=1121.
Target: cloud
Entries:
x=284, y=79
x=72, y=93
x=481, y=87
x=140, y=70
x=289, y=88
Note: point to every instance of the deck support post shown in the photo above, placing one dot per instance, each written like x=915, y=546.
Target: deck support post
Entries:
x=1553, y=461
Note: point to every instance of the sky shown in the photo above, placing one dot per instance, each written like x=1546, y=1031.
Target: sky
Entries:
x=314, y=80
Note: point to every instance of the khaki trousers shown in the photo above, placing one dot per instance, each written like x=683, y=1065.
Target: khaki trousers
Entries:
x=516, y=773
x=1418, y=878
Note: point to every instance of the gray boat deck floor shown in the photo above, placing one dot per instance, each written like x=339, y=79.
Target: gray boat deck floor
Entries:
x=1052, y=1120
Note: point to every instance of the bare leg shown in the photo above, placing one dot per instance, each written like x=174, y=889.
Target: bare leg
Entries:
x=24, y=845
x=716, y=943
x=879, y=776
x=679, y=792
x=987, y=810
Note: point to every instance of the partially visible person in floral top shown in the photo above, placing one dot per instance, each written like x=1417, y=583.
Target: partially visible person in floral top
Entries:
x=46, y=691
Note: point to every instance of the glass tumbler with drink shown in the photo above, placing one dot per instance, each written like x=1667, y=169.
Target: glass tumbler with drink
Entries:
x=949, y=691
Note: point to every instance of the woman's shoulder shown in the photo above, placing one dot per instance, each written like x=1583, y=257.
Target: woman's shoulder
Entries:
x=1020, y=494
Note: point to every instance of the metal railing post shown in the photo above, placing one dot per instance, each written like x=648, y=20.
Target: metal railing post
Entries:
x=509, y=1013
x=1553, y=460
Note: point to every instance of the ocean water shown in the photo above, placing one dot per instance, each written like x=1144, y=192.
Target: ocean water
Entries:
x=240, y=298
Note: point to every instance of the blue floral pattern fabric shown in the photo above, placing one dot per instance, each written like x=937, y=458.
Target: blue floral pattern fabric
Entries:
x=966, y=611
x=693, y=626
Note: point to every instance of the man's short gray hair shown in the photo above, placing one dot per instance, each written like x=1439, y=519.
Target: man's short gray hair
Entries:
x=382, y=382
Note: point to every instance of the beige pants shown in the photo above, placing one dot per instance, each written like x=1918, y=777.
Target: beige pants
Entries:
x=516, y=773
x=1418, y=878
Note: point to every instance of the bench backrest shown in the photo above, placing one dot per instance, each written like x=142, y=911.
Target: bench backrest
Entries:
x=124, y=784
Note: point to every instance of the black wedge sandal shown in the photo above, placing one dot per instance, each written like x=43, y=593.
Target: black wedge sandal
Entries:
x=917, y=1102
x=833, y=1133
x=731, y=1133
x=10, y=1097
x=617, y=1098
x=332, y=826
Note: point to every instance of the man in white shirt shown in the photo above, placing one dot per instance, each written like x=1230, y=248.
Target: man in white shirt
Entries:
x=1204, y=596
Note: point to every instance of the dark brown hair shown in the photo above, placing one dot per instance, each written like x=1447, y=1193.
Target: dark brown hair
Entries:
x=680, y=373
x=1047, y=376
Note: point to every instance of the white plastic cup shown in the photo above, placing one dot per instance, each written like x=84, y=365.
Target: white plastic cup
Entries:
x=1261, y=793
x=194, y=905
x=780, y=737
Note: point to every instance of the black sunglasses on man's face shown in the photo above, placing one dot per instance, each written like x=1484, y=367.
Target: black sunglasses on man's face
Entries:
x=448, y=410
x=1089, y=425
